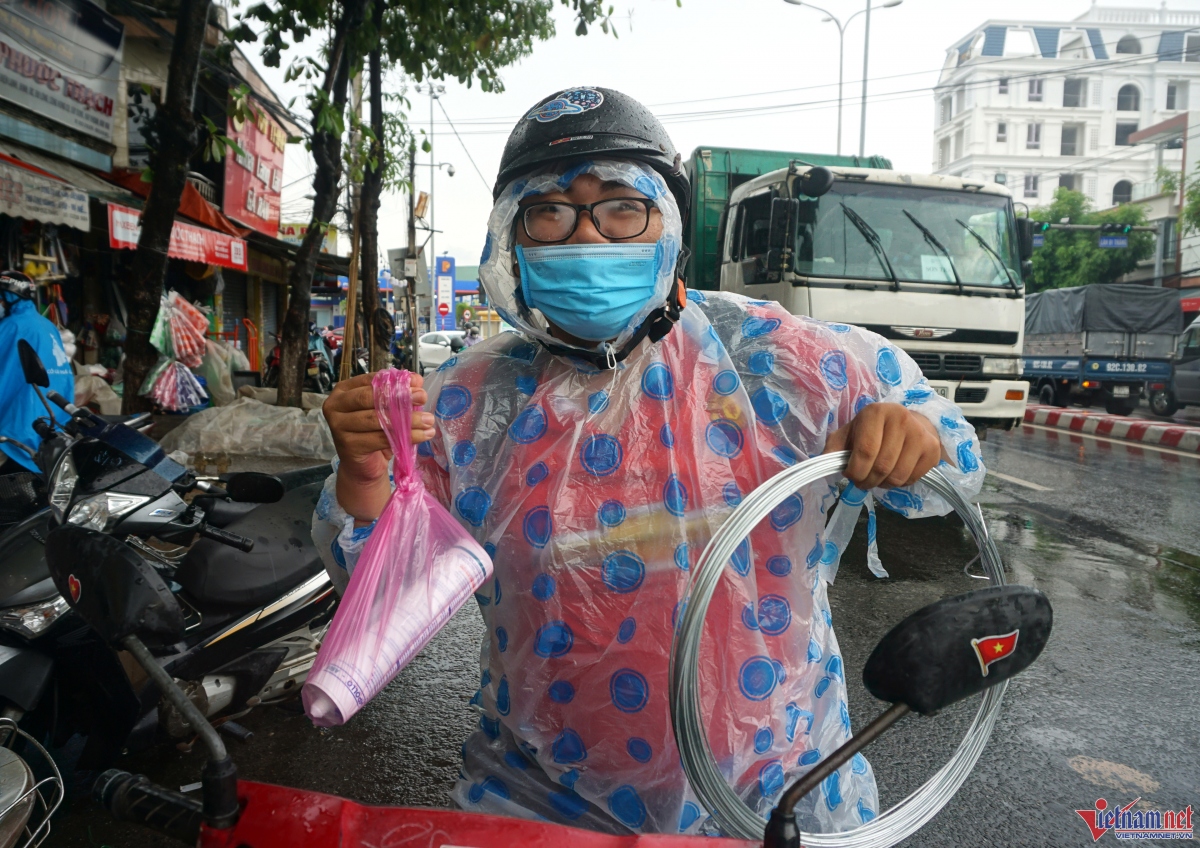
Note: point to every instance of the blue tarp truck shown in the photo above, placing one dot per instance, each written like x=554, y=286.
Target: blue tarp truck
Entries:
x=1100, y=343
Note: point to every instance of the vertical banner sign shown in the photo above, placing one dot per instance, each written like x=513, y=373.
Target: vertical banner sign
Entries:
x=444, y=273
x=62, y=59
x=254, y=179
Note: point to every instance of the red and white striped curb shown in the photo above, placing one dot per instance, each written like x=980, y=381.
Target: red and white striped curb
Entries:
x=1179, y=437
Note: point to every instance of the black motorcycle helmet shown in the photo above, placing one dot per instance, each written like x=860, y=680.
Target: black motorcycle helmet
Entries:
x=592, y=123
x=17, y=283
x=597, y=123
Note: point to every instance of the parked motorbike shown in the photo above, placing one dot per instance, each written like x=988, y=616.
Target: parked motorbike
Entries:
x=28, y=800
x=319, y=369
x=254, y=594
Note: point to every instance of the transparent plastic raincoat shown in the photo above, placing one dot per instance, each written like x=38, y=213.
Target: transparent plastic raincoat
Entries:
x=595, y=492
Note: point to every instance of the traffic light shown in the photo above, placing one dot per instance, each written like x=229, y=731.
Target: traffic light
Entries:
x=1041, y=226
x=1123, y=229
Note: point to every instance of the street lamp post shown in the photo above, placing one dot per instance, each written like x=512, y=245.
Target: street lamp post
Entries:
x=433, y=90
x=862, y=135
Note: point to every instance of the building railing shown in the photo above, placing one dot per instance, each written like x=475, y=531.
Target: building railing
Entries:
x=1142, y=16
x=1146, y=188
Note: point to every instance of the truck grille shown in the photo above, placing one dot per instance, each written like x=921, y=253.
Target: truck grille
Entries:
x=967, y=394
x=929, y=363
x=963, y=363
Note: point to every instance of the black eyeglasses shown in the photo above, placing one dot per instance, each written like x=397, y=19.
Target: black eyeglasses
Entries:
x=614, y=218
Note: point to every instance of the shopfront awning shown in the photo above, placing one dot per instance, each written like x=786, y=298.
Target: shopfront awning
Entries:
x=78, y=177
x=29, y=192
x=188, y=242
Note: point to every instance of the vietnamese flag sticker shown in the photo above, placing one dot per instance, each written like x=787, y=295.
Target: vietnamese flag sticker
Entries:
x=990, y=649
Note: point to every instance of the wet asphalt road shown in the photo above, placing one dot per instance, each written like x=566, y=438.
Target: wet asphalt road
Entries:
x=1111, y=533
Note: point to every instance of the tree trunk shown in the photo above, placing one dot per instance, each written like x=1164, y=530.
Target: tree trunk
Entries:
x=372, y=188
x=177, y=140
x=327, y=154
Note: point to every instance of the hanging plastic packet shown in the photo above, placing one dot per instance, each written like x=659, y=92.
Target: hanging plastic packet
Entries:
x=417, y=569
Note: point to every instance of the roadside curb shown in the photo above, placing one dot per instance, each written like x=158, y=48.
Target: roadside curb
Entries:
x=1183, y=438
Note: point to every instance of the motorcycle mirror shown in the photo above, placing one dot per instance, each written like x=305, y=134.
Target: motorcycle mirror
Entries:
x=940, y=654
x=254, y=487
x=815, y=182
x=114, y=590
x=31, y=365
x=958, y=647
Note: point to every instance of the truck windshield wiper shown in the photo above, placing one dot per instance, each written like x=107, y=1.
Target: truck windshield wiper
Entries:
x=991, y=252
x=936, y=245
x=872, y=238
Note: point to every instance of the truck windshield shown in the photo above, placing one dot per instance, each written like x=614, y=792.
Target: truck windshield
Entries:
x=828, y=244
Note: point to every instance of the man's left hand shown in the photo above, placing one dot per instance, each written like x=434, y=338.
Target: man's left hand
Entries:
x=889, y=446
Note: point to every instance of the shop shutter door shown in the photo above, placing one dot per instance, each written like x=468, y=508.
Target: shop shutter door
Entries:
x=270, y=312
x=233, y=304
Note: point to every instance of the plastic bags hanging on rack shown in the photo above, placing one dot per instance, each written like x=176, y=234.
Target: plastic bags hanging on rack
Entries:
x=418, y=568
x=173, y=386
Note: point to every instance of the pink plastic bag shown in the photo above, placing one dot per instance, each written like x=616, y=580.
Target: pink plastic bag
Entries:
x=418, y=568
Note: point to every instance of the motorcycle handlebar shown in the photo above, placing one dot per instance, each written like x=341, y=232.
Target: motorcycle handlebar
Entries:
x=133, y=798
x=225, y=537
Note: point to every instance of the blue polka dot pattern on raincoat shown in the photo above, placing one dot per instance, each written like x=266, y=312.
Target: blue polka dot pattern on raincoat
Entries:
x=598, y=513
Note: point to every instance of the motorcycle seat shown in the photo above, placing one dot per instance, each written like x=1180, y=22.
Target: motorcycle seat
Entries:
x=215, y=575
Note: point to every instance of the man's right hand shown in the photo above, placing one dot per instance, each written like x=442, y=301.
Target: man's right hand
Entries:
x=362, y=446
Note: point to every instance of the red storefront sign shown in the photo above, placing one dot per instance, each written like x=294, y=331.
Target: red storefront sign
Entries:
x=254, y=179
x=194, y=244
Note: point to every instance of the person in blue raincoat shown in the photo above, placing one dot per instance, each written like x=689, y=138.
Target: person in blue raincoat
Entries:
x=595, y=452
x=19, y=403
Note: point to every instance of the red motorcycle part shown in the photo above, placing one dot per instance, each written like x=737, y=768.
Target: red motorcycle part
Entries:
x=281, y=817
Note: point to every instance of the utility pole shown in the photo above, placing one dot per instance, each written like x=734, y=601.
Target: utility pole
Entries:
x=862, y=121
x=410, y=263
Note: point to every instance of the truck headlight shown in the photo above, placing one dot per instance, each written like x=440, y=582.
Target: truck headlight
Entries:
x=1002, y=365
x=30, y=621
x=101, y=512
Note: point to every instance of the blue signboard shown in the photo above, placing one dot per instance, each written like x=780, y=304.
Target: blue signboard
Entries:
x=443, y=288
x=1114, y=241
x=1038, y=239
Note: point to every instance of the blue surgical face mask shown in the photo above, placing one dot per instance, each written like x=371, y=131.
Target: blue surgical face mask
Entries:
x=593, y=291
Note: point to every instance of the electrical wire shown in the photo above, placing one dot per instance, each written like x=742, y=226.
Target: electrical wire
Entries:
x=704, y=776
x=464, y=145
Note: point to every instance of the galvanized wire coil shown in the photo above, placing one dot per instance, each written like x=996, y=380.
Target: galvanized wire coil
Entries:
x=731, y=814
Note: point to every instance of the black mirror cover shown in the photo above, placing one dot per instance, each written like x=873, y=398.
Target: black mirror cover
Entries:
x=254, y=487
x=815, y=182
x=1025, y=238
x=112, y=588
x=780, y=230
x=959, y=646
x=31, y=365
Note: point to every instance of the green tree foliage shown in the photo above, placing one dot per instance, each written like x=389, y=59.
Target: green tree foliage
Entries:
x=1071, y=258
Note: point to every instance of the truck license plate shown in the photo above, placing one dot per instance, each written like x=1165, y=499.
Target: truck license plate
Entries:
x=944, y=391
x=1120, y=391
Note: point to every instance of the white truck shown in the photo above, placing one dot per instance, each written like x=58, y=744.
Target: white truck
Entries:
x=932, y=263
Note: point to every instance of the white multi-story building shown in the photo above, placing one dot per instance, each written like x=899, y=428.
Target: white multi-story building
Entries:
x=1038, y=105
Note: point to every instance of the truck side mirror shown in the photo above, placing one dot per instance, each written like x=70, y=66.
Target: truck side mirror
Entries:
x=780, y=237
x=814, y=182
x=1025, y=238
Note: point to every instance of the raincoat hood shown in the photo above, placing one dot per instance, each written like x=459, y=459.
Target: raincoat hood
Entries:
x=497, y=264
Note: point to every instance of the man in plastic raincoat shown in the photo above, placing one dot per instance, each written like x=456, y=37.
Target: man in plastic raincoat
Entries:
x=19, y=403
x=595, y=452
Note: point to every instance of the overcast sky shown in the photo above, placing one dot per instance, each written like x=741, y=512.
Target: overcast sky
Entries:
x=705, y=56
